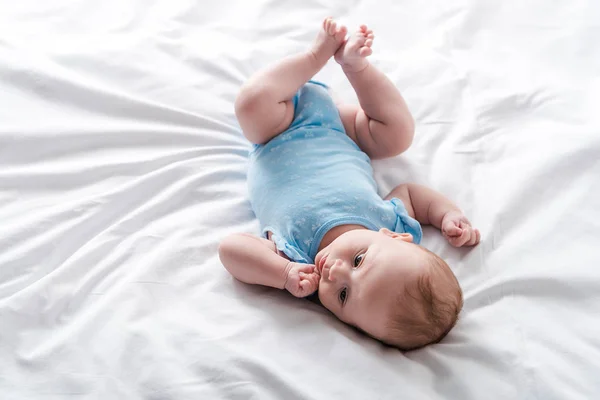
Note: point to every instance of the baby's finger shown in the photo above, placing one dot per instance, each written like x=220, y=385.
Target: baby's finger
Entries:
x=470, y=237
x=455, y=241
x=307, y=268
x=460, y=240
x=317, y=278
x=465, y=236
x=305, y=285
x=453, y=230
x=474, y=239
x=309, y=275
x=464, y=223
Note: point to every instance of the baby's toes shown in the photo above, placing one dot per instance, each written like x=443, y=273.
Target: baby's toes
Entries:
x=341, y=32
x=332, y=28
x=368, y=42
x=365, y=51
x=358, y=41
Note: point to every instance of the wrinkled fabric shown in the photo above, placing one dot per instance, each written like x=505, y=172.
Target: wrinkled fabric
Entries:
x=122, y=166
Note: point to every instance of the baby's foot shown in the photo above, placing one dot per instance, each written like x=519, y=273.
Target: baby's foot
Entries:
x=352, y=54
x=329, y=40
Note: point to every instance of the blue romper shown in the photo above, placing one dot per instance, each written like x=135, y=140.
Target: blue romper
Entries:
x=313, y=177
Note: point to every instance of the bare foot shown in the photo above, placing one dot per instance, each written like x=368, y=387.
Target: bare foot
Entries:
x=352, y=54
x=329, y=39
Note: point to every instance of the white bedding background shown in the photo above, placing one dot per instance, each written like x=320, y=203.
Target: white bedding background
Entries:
x=122, y=166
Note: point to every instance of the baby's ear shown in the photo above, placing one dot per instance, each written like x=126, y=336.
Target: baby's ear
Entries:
x=405, y=237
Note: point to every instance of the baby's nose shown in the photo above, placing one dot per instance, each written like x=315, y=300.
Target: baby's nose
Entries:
x=335, y=271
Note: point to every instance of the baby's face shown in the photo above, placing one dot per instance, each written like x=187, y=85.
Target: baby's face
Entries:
x=362, y=273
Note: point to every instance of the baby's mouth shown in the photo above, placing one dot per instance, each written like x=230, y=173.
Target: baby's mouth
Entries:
x=321, y=264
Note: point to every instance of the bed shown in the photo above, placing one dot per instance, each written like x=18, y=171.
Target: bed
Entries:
x=122, y=166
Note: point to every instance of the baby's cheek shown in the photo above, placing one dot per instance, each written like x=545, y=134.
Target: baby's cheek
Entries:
x=322, y=294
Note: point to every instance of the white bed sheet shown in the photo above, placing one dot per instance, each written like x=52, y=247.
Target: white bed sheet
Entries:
x=121, y=167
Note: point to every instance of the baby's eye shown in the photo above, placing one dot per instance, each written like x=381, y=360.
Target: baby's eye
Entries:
x=343, y=295
x=358, y=259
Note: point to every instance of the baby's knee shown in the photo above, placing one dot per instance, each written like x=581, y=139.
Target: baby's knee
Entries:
x=250, y=98
x=230, y=244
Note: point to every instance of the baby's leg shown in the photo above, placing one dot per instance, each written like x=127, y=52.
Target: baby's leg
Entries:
x=384, y=126
x=263, y=106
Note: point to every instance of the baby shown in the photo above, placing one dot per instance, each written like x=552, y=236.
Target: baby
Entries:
x=312, y=188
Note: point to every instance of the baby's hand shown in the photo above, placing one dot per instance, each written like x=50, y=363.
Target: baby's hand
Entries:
x=457, y=229
x=302, y=279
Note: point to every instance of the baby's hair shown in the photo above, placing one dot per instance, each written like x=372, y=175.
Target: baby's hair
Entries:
x=428, y=310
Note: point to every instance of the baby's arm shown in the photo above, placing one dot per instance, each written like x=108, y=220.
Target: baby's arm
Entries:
x=255, y=260
x=431, y=208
